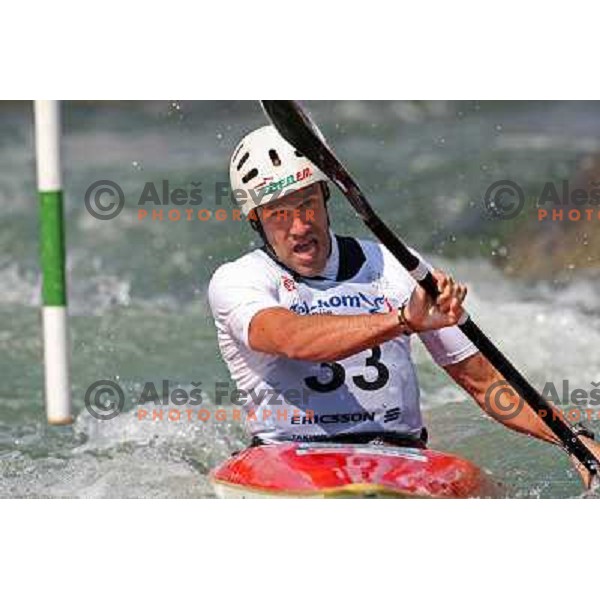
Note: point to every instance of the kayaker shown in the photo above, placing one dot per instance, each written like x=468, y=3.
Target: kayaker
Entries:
x=329, y=319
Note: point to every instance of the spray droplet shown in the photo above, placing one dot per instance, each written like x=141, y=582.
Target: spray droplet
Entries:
x=174, y=110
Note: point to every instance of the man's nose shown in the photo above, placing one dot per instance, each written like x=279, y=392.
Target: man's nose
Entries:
x=300, y=224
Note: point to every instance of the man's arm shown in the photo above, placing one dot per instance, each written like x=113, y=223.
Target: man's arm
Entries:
x=319, y=338
x=476, y=376
x=334, y=337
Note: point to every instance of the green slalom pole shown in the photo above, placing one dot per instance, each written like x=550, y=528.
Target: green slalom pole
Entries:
x=52, y=244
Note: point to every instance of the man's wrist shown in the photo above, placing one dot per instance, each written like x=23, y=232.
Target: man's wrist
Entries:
x=407, y=329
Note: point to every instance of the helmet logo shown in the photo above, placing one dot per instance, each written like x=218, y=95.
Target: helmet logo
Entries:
x=275, y=186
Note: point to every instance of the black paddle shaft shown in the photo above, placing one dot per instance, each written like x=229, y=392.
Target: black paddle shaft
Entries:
x=298, y=129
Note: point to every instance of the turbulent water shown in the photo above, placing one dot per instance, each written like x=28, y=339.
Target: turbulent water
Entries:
x=137, y=289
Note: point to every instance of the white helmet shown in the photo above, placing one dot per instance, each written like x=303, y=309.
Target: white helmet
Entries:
x=264, y=168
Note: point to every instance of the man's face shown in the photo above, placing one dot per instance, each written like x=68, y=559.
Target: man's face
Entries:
x=296, y=227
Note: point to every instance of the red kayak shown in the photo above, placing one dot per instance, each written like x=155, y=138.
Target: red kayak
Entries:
x=328, y=470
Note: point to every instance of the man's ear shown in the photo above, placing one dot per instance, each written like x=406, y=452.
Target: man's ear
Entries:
x=255, y=221
x=257, y=226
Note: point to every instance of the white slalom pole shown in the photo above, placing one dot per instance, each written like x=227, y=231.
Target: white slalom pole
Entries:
x=52, y=242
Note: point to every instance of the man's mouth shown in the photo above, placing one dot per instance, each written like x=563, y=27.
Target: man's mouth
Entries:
x=306, y=248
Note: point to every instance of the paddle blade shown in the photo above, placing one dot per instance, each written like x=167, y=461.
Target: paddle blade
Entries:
x=294, y=124
x=298, y=129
